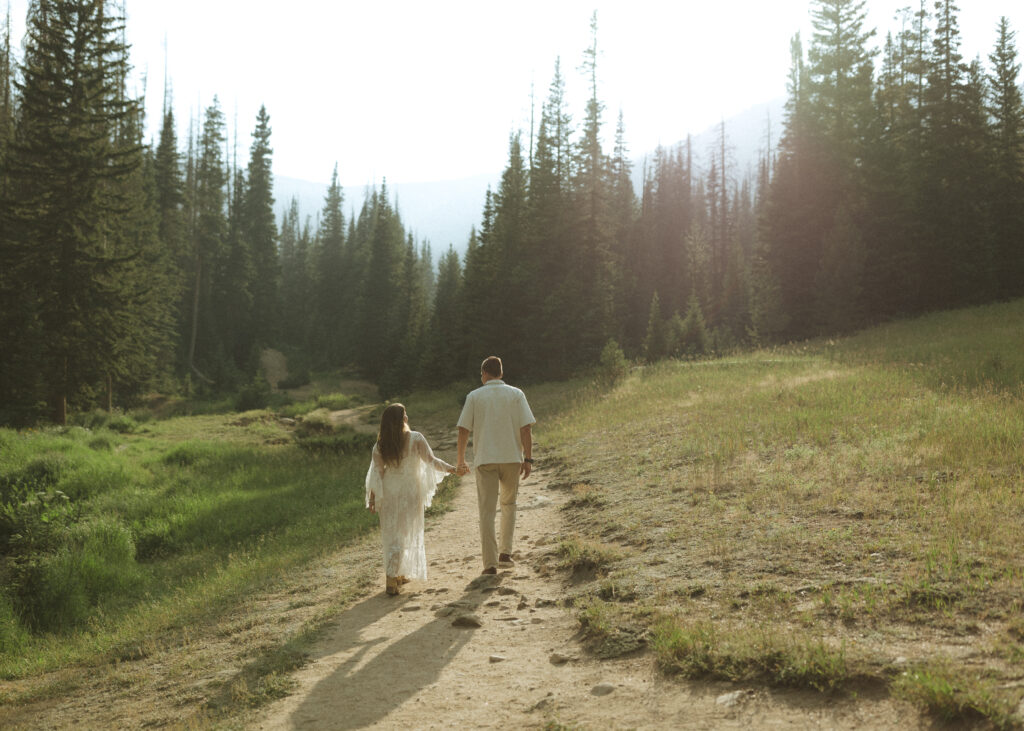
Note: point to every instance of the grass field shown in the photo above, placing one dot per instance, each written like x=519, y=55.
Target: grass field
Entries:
x=824, y=515
x=111, y=536
x=132, y=536
x=837, y=515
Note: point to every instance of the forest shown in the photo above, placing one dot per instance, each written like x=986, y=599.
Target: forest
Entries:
x=131, y=266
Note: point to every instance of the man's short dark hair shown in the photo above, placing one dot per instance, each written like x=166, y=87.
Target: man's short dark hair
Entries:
x=492, y=366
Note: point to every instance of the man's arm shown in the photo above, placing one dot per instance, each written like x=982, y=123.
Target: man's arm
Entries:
x=460, y=463
x=526, y=434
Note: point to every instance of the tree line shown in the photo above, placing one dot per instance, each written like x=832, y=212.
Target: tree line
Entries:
x=897, y=187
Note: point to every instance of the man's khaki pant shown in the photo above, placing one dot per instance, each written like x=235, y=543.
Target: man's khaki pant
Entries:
x=492, y=480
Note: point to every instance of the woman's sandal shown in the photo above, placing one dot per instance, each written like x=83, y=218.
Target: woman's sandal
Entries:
x=403, y=580
x=393, y=585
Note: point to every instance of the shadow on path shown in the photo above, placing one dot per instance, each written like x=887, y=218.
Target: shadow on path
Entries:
x=357, y=693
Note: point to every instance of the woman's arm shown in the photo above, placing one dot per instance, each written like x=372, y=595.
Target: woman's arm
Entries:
x=426, y=454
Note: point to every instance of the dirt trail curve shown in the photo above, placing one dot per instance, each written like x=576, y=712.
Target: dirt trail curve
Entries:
x=403, y=663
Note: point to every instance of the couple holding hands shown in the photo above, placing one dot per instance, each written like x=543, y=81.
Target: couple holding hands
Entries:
x=404, y=474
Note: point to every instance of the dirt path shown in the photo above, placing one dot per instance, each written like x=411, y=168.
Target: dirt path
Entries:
x=401, y=662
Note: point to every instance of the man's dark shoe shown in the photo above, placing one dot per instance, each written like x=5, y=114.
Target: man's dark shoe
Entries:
x=490, y=570
x=505, y=559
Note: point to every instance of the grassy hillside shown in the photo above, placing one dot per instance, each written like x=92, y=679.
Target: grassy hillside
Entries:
x=825, y=515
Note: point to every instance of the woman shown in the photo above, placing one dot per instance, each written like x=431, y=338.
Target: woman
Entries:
x=400, y=483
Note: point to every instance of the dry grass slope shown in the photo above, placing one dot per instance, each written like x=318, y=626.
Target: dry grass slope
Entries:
x=825, y=515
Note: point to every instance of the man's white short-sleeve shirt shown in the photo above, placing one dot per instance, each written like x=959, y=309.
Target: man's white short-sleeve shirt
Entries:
x=495, y=413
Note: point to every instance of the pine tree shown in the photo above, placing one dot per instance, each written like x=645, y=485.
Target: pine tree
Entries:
x=623, y=213
x=952, y=179
x=331, y=306
x=515, y=256
x=840, y=76
x=839, y=281
x=209, y=240
x=445, y=349
x=656, y=340
x=64, y=232
x=232, y=297
x=260, y=230
x=380, y=334
x=1007, y=204
x=590, y=306
x=548, y=196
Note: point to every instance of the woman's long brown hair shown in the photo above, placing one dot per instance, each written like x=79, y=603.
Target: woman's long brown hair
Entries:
x=391, y=437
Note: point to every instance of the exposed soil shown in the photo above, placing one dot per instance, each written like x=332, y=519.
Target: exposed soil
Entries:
x=404, y=662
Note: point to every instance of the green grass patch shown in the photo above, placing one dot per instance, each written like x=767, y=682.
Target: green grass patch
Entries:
x=101, y=546
x=954, y=695
x=581, y=555
x=703, y=651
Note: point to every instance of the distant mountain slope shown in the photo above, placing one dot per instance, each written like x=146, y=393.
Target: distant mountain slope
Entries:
x=444, y=212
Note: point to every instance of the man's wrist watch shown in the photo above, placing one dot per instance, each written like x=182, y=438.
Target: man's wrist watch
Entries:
x=527, y=459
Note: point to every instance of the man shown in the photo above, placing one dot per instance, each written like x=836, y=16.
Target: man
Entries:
x=501, y=422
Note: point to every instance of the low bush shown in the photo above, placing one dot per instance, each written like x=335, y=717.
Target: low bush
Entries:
x=13, y=635
x=254, y=395
x=344, y=441
x=613, y=366
x=315, y=423
x=295, y=380
x=115, y=420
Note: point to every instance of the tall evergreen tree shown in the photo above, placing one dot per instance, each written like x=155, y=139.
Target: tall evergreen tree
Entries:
x=1007, y=202
x=445, y=350
x=952, y=181
x=64, y=220
x=589, y=302
x=332, y=308
x=209, y=234
x=260, y=231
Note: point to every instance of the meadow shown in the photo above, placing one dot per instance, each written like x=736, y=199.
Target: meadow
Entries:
x=839, y=514
x=122, y=530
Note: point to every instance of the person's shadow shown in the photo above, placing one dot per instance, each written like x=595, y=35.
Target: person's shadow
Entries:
x=356, y=695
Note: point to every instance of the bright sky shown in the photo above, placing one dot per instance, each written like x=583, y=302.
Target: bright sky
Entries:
x=421, y=91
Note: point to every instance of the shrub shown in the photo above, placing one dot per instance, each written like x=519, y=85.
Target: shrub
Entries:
x=100, y=419
x=613, y=366
x=32, y=522
x=295, y=380
x=254, y=395
x=314, y=423
x=189, y=453
x=57, y=591
x=13, y=636
x=344, y=441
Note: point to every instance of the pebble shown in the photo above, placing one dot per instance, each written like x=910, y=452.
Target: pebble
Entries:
x=730, y=699
x=545, y=603
x=497, y=658
x=467, y=620
x=412, y=607
x=602, y=689
x=558, y=658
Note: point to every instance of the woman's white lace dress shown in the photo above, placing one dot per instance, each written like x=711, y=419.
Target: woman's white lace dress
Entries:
x=401, y=495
